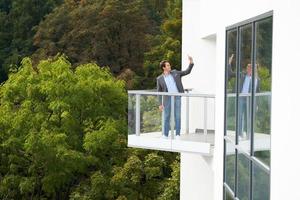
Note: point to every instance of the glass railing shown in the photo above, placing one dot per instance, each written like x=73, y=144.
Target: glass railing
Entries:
x=183, y=120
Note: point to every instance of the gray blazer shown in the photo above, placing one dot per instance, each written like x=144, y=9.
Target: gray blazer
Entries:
x=162, y=86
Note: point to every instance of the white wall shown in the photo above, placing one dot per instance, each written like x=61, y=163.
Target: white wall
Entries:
x=196, y=174
x=202, y=50
x=285, y=138
x=204, y=23
x=201, y=44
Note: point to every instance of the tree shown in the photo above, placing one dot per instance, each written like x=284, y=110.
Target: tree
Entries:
x=18, y=19
x=54, y=123
x=156, y=13
x=110, y=33
x=63, y=136
x=62, y=121
x=165, y=46
x=172, y=186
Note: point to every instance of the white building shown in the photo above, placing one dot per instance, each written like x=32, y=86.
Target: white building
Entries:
x=250, y=141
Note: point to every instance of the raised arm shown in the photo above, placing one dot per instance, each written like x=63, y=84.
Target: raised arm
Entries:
x=189, y=69
x=231, y=73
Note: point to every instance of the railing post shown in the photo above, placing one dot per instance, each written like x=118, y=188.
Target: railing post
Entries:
x=137, y=114
x=172, y=116
x=162, y=116
x=205, y=115
x=187, y=128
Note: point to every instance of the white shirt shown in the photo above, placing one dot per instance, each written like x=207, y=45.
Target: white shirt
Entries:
x=170, y=82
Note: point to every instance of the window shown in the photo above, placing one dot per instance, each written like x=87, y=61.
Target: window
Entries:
x=248, y=109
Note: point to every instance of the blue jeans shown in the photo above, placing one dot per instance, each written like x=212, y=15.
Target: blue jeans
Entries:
x=167, y=114
x=244, y=116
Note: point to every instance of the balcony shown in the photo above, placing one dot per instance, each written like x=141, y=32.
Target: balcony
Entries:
x=146, y=124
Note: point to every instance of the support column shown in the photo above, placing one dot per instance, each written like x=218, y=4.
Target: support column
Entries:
x=196, y=177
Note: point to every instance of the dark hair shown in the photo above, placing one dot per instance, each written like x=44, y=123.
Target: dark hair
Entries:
x=162, y=64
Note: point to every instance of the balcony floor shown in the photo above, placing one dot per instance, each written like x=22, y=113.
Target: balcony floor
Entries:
x=192, y=142
x=262, y=142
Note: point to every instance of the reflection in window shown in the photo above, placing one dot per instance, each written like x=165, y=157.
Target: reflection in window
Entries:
x=231, y=84
x=230, y=165
x=248, y=109
x=261, y=184
x=243, y=177
x=263, y=98
x=228, y=196
x=245, y=84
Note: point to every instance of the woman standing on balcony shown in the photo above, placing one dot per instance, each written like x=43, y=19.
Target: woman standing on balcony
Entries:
x=170, y=81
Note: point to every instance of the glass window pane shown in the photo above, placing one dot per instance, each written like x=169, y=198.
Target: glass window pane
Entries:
x=243, y=185
x=231, y=84
x=261, y=184
x=230, y=165
x=248, y=72
x=228, y=195
x=245, y=87
x=262, y=109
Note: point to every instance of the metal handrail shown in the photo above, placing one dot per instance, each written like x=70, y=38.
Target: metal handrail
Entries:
x=249, y=94
x=152, y=92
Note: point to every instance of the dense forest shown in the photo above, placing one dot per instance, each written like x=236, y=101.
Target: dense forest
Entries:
x=65, y=66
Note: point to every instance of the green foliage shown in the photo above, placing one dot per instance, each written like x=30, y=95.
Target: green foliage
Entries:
x=141, y=177
x=263, y=103
x=229, y=168
x=263, y=115
x=18, y=19
x=150, y=114
x=62, y=122
x=231, y=116
x=165, y=46
x=172, y=189
x=264, y=42
x=63, y=137
x=111, y=33
x=155, y=11
x=243, y=170
x=265, y=78
x=54, y=124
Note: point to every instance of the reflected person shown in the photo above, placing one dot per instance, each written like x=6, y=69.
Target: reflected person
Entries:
x=170, y=81
x=244, y=95
x=245, y=99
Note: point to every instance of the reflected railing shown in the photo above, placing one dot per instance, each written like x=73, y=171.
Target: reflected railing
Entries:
x=196, y=116
x=261, y=120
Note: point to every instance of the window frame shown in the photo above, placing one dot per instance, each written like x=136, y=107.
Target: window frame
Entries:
x=238, y=149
